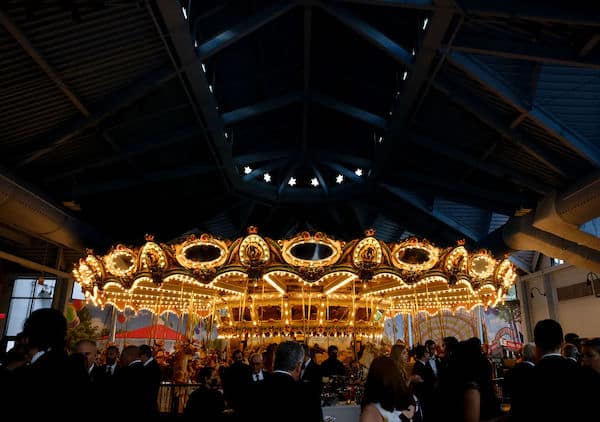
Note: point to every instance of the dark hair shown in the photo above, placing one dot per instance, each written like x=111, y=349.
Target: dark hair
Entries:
x=429, y=342
x=572, y=338
x=384, y=385
x=46, y=328
x=593, y=343
x=420, y=351
x=548, y=334
x=204, y=373
x=145, y=350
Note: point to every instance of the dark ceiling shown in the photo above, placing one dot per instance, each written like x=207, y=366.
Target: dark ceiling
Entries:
x=134, y=118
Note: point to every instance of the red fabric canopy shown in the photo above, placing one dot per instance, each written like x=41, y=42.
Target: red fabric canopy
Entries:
x=158, y=332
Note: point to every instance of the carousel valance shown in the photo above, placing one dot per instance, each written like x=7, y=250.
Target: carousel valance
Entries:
x=307, y=284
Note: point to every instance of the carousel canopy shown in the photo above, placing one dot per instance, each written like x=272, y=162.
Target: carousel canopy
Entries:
x=307, y=283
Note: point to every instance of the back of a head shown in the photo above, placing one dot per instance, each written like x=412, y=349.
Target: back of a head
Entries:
x=548, y=335
x=420, y=351
x=288, y=355
x=46, y=328
x=572, y=338
x=570, y=351
x=528, y=352
x=332, y=350
x=146, y=350
x=396, y=352
x=129, y=354
x=384, y=385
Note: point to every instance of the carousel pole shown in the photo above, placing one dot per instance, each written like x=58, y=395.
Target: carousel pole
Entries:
x=113, y=324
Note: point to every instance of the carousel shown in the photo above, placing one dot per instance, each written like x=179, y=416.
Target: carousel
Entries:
x=308, y=286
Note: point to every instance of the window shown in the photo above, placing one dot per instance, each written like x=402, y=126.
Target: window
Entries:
x=557, y=261
x=28, y=294
x=77, y=292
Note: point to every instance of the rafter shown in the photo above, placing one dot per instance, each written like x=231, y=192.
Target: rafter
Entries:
x=585, y=13
x=229, y=36
x=180, y=47
x=478, y=43
x=475, y=162
x=243, y=113
x=493, y=83
x=160, y=141
x=422, y=205
x=349, y=174
x=487, y=116
x=306, y=81
x=349, y=110
x=37, y=57
x=112, y=104
x=369, y=33
x=143, y=179
x=435, y=33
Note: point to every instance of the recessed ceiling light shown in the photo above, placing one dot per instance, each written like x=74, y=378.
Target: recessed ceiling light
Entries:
x=292, y=181
x=314, y=182
x=339, y=179
x=247, y=170
x=358, y=172
x=267, y=177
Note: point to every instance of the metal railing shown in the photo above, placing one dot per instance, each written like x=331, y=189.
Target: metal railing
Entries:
x=173, y=397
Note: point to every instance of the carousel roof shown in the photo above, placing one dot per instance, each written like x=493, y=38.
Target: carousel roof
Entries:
x=307, y=282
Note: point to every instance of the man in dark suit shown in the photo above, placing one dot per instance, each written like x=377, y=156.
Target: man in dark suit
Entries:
x=152, y=375
x=256, y=366
x=423, y=380
x=310, y=374
x=553, y=397
x=434, y=361
x=517, y=385
x=282, y=396
x=131, y=397
x=332, y=365
x=38, y=390
x=235, y=381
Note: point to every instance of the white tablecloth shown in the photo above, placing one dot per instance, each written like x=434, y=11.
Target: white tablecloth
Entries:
x=342, y=412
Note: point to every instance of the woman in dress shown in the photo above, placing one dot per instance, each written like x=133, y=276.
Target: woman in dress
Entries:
x=386, y=397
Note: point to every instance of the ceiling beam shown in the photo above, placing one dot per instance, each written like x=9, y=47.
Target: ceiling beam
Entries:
x=475, y=162
x=230, y=36
x=142, y=179
x=413, y=85
x=354, y=112
x=116, y=101
x=449, y=188
x=347, y=173
x=161, y=141
x=243, y=113
x=334, y=156
x=486, y=115
x=306, y=81
x=369, y=33
x=270, y=166
x=552, y=53
x=408, y=4
x=422, y=205
x=581, y=13
x=194, y=82
x=589, y=46
x=37, y=57
x=262, y=156
x=34, y=265
x=493, y=83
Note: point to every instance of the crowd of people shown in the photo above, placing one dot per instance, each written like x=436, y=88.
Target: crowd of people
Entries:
x=556, y=378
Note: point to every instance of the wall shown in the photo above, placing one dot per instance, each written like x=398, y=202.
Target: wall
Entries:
x=580, y=315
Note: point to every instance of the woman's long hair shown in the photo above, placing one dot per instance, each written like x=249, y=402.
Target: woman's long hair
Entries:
x=384, y=385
